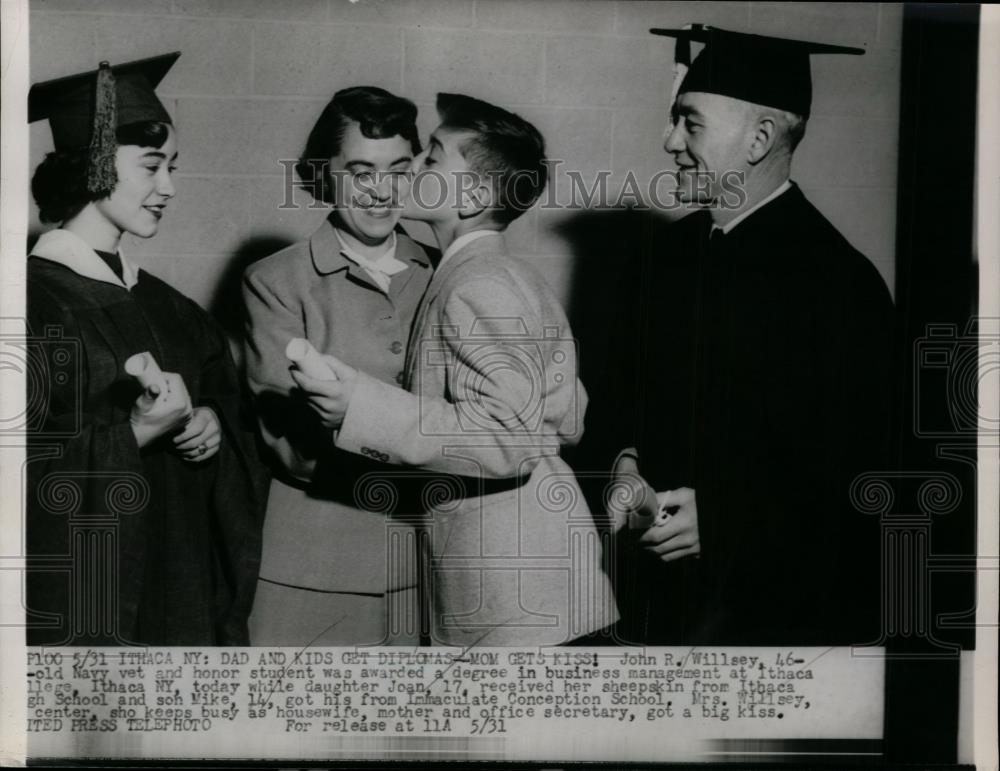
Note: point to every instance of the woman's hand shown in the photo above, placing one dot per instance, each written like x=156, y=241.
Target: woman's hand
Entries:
x=201, y=437
x=156, y=413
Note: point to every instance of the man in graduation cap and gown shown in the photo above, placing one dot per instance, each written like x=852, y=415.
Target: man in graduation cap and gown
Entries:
x=143, y=507
x=761, y=358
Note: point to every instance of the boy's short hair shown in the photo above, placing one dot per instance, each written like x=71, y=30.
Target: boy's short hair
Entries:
x=379, y=114
x=505, y=148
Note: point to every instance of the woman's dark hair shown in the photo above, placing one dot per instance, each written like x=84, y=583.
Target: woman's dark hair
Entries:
x=380, y=115
x=59, y=184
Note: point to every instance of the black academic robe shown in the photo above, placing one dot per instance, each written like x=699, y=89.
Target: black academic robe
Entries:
x=128, y=545
x=763, y=377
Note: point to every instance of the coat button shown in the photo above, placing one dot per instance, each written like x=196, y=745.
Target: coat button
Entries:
x=399, y=378
x=396, y=347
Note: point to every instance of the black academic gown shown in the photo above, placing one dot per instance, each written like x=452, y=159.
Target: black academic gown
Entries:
x=763, y=377
x=139, y=544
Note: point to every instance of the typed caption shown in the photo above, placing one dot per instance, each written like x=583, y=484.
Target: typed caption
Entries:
x=274, y=702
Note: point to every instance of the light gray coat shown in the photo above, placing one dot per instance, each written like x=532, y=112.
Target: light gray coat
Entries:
x=320, y=533
x=492, y=395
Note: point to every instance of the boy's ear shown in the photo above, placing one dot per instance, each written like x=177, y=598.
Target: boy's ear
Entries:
x=476, y=201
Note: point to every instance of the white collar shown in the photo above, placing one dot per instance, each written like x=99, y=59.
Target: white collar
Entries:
x=67, y=248
x=382, y=269
x=354, y=256
x=462, y=241
x=783, y=187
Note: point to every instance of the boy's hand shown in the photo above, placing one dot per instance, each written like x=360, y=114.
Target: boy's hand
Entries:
x=329, y=398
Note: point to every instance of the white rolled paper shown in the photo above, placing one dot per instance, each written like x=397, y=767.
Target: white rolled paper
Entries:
x=143, y=367
x=304, y=356
x=638, y=521
x=645, y=514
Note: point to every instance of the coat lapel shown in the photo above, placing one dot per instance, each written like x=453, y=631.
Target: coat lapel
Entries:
x=493, y=244
x=407, y=251
x=328, y=258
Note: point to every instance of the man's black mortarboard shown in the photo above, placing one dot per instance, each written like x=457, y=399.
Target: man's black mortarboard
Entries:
x=86, y=110
x=769, y=71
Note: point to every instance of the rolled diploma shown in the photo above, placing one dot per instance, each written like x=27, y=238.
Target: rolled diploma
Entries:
x=143, y=367
x=646, y=514
x=304, y=356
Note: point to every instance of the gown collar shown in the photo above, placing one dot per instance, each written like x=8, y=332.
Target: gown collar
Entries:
x=68, y=249
x=783, y=188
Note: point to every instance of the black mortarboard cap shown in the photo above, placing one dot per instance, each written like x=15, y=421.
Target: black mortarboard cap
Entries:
x=84, y=111
x=69, y=103
x=769, y=71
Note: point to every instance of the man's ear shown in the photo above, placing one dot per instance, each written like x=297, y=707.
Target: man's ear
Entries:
x=764, y=136
x=475, y=201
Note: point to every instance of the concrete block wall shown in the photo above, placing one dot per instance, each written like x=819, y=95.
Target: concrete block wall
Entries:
x=255, y=74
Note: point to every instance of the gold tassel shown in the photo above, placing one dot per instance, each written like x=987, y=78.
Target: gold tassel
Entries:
x=101, y=174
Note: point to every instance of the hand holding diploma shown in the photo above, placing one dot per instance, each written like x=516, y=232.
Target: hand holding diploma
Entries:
x=164, y=406
x=631, y=500
x=668, y=520
x=308, y=360
x=672, y=536
x=143, y=368
x=325, y=380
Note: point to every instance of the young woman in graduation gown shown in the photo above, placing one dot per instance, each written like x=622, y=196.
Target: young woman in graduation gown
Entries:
x=143, y=512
